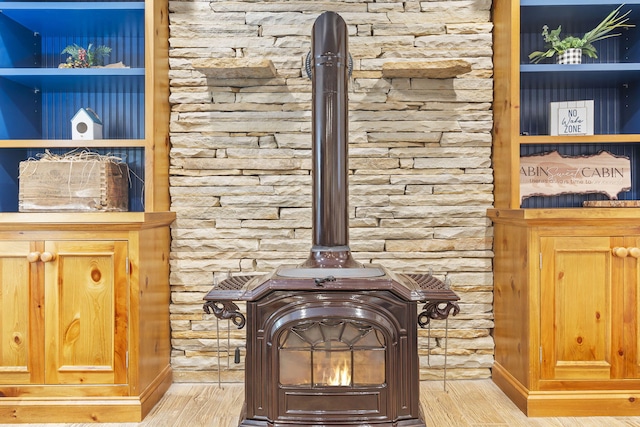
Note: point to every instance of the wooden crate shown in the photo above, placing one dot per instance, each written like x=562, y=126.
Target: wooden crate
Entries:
x=73, y=186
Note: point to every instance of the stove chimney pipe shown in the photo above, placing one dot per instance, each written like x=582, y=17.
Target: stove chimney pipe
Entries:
x=329, y=72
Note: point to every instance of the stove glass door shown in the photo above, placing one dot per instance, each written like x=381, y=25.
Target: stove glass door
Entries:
x=332, y=353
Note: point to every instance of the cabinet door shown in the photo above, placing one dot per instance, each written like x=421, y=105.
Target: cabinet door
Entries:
x=86, y=312
x=21, y=316
x=632, y=308
x=581, y=308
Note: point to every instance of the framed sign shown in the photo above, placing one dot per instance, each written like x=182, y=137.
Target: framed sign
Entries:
x=571, y=118
x=551, y=174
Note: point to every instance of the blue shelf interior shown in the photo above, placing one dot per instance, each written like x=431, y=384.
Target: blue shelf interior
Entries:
x=10, y=159
x=39, y=99
x=611, y=80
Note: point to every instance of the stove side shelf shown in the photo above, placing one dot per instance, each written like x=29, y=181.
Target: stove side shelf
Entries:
x=440, y=301
x=220, y=299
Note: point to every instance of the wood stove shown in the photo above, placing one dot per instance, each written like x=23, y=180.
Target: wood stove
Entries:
x=333, y=350
x=331, y=342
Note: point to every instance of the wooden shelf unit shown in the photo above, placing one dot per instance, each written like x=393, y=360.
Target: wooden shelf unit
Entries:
x=85, y=296
x=565, y=299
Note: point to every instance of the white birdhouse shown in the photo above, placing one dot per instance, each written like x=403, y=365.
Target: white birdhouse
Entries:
x=86, y=124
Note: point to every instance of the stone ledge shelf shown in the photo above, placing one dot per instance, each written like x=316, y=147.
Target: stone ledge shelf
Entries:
x=434, y=69
x=235, y=68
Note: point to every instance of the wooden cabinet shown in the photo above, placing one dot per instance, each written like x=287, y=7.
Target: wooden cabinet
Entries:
x=85, y=317
x=22, y=317
x=566, y=311
x=66, y=322
x=565, y=299
x=589, y=305
x=581, y=307
x=84, y=296
x=85, y=307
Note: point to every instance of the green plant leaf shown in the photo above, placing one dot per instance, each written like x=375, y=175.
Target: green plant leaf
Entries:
x=557, y=45
x=94, y=55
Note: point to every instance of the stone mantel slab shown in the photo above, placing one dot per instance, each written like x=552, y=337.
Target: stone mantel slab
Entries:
x=433, y=69
x=236, y=68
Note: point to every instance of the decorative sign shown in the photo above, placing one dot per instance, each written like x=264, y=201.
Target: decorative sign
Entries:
x=571, y=118
x=551, y=174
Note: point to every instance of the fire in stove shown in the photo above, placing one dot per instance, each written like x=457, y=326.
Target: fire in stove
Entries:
x=341, y=373
x=331, y=342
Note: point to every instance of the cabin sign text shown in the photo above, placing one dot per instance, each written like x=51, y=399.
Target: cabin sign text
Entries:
x=552, y=174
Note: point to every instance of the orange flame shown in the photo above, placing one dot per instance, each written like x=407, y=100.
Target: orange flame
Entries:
x=340, y=375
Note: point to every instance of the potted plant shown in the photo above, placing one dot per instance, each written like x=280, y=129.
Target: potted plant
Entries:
x=569, y=50
x=80, y=57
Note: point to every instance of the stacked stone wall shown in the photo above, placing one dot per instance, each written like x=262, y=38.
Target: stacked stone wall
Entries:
x=420, y=168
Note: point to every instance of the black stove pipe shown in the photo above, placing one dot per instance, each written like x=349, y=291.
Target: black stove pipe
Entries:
x=329, y=67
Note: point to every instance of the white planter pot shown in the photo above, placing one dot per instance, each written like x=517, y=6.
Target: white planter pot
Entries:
x=570, y=56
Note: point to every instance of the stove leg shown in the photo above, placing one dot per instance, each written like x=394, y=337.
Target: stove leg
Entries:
x=429, y=345
x=218, y=345
x=446, y=343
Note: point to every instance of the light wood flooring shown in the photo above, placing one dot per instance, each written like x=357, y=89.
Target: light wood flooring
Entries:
x=469, y=403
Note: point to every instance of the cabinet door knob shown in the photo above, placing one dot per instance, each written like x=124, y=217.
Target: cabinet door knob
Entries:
x=620, y=252
x=47, y=256
x=33, y=256
x=634, y=252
